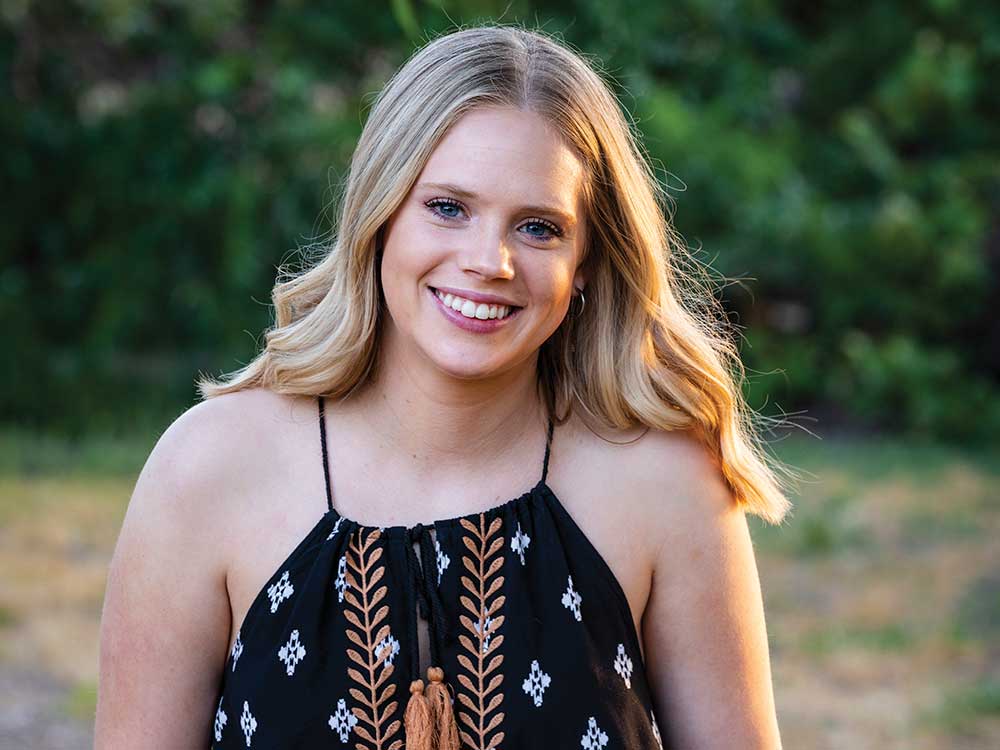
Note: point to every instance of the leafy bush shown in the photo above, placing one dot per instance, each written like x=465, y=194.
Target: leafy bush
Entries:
x=166, y=156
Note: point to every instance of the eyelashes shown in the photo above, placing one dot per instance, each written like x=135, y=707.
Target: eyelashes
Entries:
x=436, y=204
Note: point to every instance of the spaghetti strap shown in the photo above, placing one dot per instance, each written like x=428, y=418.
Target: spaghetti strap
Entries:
x=548, y=446
x=326, y=463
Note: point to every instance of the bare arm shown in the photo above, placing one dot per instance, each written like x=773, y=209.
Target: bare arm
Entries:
x=166, y=619
x=703, y=627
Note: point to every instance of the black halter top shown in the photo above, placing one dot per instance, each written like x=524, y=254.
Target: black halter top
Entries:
x=529, y=624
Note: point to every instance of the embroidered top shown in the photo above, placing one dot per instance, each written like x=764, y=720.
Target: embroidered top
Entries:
x=531, y=628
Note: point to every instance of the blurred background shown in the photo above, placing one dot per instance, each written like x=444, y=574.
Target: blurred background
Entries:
x=838, y=162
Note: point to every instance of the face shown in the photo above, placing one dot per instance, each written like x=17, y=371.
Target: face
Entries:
x=494, y=220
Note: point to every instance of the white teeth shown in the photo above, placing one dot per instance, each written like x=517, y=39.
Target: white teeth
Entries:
x=470, y=309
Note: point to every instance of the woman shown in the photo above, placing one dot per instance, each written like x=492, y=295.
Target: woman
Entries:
x=535, y=460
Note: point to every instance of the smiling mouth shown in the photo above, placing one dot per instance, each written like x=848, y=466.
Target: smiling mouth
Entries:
x=474, y=310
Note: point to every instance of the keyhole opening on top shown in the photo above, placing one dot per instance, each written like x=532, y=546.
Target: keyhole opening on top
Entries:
x=423, y=626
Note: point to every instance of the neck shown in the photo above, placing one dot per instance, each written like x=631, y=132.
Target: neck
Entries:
x=441, y=425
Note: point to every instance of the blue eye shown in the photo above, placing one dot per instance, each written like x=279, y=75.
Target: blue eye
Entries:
x=443, y=203
x=544, y=225
x=441, y=207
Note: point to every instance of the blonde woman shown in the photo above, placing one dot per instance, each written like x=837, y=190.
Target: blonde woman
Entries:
x=486, y=484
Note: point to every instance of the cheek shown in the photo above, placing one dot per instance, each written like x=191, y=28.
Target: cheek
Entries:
x=393, y=273
x=407, y=255
x=557, y=284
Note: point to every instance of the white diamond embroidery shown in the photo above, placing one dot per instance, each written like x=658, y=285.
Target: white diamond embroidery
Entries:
x=487, y=626
x=594, y=739
x=536, y=682
x=220, y=721
x=656, y=730
x=442, y=560
x=247, y=722
x=520, y=541
x=623, y=665
x=388, y=642
x=279, y=591
x=237, y=649
x=571, y=600
x=342, y=721
x=336, y=528
x=292, y=653
x=341, y=583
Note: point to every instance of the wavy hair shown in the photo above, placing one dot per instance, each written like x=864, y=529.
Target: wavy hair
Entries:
x=652, y=347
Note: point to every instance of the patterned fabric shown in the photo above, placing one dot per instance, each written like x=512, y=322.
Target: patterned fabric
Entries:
x=535, y=637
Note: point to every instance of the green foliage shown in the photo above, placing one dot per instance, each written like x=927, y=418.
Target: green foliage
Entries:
x=908, y=385
x=166, y=156
x=28, y=454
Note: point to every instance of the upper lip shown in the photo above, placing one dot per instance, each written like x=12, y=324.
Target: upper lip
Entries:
x=487, y=299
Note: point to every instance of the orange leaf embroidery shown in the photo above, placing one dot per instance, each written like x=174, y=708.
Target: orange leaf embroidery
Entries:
x=481, y=601
x=369, y=630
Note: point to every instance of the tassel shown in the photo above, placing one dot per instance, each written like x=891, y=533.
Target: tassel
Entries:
x=445, y=728
x=418, y=721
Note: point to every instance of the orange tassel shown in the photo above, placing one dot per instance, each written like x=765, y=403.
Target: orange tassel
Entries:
x=446, y=730
x=418, y=720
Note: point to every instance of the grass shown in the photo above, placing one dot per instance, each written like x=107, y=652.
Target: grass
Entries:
x=961, y=708
x=81, y=703
x=977, y=613
x=926, y=526
x=819, y=529
x=882, y=594
x=7, y=617
x=890, y=637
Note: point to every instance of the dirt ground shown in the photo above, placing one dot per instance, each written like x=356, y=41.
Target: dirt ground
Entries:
x=882, y=596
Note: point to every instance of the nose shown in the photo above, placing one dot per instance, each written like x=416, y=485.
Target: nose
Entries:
x=488, y=254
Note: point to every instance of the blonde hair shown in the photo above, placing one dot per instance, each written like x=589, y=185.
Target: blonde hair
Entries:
x=650, y=346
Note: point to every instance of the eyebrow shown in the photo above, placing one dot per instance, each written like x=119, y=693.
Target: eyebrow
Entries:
x=567, y=219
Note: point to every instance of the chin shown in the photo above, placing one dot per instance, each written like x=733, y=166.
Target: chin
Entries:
x=468, y=365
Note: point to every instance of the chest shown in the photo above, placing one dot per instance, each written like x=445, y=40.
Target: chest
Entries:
x=281, y=513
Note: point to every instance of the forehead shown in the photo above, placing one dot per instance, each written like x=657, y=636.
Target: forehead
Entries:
x=504, y=153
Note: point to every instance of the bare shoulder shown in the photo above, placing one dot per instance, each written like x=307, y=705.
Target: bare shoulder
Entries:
x=677, y=482
x=224, y=445
x=192, y=460
x=667, y=482
x=232, y=423
x=197, y=473
x=166, y=614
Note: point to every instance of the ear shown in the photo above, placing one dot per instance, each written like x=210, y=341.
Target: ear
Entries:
x=582, y=272
x=380, y=241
